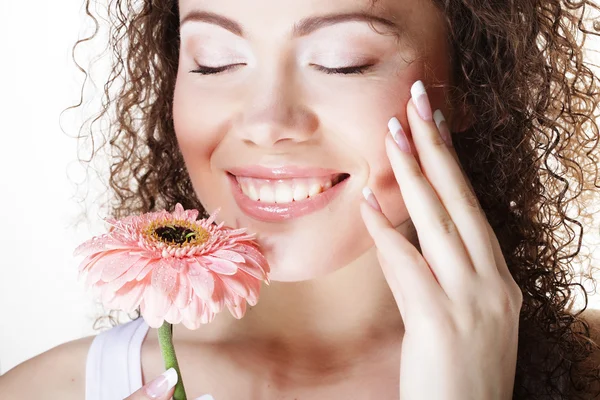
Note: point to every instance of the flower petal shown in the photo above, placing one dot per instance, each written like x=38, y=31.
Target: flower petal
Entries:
x=96, y=244
x=251, y=250
x=206, y=315
x=178, y=212
x=192, y=215
x=164, y=277
x=237, y=310
x=137, y=267
x=152, y=320
x=256, y=259
x=252, y=268
x=116, y=263
x=190, y=314
x=252, y=297
x=89, y=261
x=220, y=265
x=184, y=293
x=217, y=301
x=94, y=274
x=173, y=316
x=117, y=284
x=152, y=263
x=130, y=295
x=228, y=255
x=202, y=280
x=237, y=283
x=212, y=216
x=156, y=301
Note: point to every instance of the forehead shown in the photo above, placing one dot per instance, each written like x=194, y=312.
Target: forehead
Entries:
x=293, y=18
x=422, y=25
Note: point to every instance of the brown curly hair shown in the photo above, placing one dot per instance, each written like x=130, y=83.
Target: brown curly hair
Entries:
x=530, y=153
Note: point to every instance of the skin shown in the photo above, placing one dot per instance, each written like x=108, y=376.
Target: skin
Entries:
x=254, y=115
x=334, y=322
x=276, y=108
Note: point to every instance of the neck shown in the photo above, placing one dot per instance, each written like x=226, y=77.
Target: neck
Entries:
x=351, y=308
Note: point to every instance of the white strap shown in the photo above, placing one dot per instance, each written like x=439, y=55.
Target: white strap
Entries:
x=113, y=365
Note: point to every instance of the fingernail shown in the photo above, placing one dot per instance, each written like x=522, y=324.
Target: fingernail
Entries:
x=442, y=125
x=370, y=197
x=398, y=134
x=421, y=100
x=162, y=384
x=205, y=397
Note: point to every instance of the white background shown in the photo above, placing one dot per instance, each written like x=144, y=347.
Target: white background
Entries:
x=41, y=302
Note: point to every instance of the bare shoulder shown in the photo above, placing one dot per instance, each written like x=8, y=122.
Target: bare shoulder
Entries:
x=58, y=373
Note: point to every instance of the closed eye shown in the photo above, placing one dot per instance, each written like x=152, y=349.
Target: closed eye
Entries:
x=359, y=69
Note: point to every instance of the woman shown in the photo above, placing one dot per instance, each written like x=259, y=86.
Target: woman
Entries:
x=450, y=286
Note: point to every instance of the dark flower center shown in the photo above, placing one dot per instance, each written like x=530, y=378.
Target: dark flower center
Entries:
x=175, y=234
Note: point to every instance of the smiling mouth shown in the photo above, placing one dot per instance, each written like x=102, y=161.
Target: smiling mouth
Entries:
x=288, y=190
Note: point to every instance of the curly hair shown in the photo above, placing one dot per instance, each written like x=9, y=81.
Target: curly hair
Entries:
x=530, y=152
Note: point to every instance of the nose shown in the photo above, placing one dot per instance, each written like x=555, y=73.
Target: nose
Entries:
x=273, y=114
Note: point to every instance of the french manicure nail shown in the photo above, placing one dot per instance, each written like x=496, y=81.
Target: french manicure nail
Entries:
x=205, y=397
x=442, y=126
x=421, y=100
x=162, y=384
x=370, y=197
x=398, y=134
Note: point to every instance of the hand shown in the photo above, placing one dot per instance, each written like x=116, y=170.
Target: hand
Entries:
x=459, y=302
x=161, y=388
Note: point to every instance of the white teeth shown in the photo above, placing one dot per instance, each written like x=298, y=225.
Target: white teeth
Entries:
x=315, y=188
x=300, y=192
x=248, y=189
x=283, y=194
x=266, y=194
x=283, y=191
x=252, y=193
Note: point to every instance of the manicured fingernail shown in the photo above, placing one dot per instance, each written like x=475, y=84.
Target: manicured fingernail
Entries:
x=162, y=384
x=398, y=134
x=205, y=397
x=442, y=125
x=421, y=100
x=370, y=197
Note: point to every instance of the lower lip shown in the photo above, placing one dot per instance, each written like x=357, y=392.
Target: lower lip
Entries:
x=273, y=212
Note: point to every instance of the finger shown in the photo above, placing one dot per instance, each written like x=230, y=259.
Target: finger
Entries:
x=505, y=273
x=442, y=170
x=439, y=240
x=411, y=281
x=160, y=388
x=205, y=397
x=442, y=126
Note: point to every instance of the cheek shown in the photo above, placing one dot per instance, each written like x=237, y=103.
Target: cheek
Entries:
x=197, y=123
x=389, y=102
x=197, y=133
x=390, y=198
x=384, y=185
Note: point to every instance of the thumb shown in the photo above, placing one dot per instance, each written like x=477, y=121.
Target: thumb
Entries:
x=160, y=388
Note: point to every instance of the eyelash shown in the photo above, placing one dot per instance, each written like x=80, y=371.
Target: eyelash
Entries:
x=359, y=69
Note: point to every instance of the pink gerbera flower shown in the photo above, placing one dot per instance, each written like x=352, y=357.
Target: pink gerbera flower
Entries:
x=176, y=268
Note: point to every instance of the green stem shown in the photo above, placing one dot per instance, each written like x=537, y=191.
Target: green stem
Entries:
x=165, y=339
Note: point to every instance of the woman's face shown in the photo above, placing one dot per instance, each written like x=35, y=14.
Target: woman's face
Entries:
x=274, y=107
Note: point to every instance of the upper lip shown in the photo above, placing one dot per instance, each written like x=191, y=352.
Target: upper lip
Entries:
x=282, y=172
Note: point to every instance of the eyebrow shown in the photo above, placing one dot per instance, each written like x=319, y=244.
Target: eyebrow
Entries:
x=302, y=28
